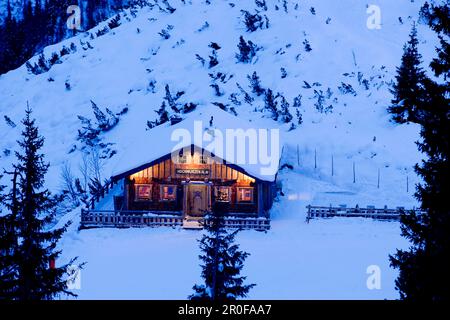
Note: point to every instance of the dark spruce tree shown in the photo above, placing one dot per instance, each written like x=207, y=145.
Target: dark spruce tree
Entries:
x=222, y=261
x=270, y=104
x=423, y=274
x=8, y=244
x=44, y=22
x=37, y=279
x=255, y=84
x=11, y=41
x=284, y=113
x=408, y=89
x=247, y=50
x=163, y=114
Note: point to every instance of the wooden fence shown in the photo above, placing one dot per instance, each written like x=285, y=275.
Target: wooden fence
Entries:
x=369, y=212
x=261, y=224
x=122, y=219
x=111, y=218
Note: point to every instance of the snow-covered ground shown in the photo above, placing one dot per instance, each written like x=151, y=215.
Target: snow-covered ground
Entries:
x=322, y=259
x=325, y=259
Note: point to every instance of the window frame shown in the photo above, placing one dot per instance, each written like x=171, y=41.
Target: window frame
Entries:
x=161, y=192
x=216, y=188
x=136, y=186
x=252, y=201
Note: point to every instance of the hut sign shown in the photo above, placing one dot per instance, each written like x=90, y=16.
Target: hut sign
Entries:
x=203, y=172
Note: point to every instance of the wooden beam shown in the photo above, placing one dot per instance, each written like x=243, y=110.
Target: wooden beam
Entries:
x=260, y=204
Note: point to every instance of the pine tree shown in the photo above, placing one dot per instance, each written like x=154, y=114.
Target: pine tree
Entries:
x=12, y=40
x=296, y=105
x=42, y=63
x=255, y=84
x=35, y=211
x=285, y=115
x=247, y=50
x=222, y=261
x=163, y=114
x=43, y=22
x=172, y=100
x=270, y=104
x=261, y=4
x=7, y=268
x=422, y=268
x=213, y=61
x=255, y=21
x=102, y=121
x=8, y=244
x=297, y=101
x=408, y=89
x=299, y=116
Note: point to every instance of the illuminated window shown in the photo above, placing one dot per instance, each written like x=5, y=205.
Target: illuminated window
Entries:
x=245, y=195
x=222, y=194
x=143, y=192
x=168, y=193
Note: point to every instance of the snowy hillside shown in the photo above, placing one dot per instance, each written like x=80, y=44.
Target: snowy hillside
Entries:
x=319, y=50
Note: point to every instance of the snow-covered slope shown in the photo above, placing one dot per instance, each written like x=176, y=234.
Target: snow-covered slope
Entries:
x=130, y=66
x=116, y=73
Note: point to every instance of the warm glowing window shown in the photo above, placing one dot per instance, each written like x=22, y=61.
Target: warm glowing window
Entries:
x=222, y=194
x=245, y=194
x=168, y=193
x=143, y=192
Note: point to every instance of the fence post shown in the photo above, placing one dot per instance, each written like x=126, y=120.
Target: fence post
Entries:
x=298, y=157
x=315, y=159
x=378, y=179
x=354, y=173
x=332, y=165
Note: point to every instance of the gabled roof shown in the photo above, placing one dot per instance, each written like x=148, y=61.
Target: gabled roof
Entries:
x=158, y=143
x=167, y=156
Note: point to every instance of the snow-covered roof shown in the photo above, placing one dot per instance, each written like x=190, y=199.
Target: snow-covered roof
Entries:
x=212, y=129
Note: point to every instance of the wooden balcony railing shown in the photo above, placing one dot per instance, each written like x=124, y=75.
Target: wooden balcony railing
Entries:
x=122, y=219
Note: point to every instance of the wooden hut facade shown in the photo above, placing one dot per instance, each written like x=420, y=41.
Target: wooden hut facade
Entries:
x=156, y=183
x=190, y=183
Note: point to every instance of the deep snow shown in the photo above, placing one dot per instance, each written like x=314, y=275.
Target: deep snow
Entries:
x=325, y=259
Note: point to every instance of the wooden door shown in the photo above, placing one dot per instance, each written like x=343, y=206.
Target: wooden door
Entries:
x=197, y=200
